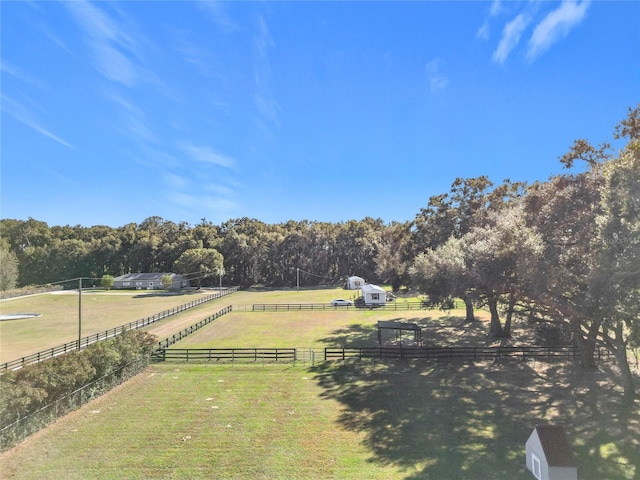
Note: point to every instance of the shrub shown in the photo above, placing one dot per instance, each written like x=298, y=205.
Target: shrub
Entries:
x=30, y=388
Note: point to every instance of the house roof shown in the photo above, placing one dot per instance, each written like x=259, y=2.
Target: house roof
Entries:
x=129, y=277
x=370, y=288
x=555, y=446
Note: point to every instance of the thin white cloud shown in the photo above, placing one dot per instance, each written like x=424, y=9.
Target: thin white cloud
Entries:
x=20, y=74
x=212, y=206
x=47, y=133
x=510, y=37
x=175, y=181
x=22, y=114
x=207, y=155
x=496, y=8
x=266, y=104
x=217, y=12
x=483, y=31
x=218, y=189
x=556, y=25
x=437, y=80
x=108, y=41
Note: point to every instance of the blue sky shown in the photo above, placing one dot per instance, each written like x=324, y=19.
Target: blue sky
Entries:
x=113, y=112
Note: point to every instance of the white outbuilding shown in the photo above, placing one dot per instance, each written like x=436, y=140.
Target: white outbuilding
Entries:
x=549, y=455
x=354, y=283
x=373, y=295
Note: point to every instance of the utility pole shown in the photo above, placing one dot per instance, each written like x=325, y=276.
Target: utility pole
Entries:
x=297, y=279
x=79, y=311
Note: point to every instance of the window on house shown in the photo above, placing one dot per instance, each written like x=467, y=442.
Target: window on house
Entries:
x=535, y=464
x=375, y=296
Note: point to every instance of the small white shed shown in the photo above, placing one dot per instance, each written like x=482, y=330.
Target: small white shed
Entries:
x=354, y=283
x=549, y=455
x=373, y=295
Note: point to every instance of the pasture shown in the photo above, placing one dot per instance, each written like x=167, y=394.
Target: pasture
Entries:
x=101, y=311
x=335, y=420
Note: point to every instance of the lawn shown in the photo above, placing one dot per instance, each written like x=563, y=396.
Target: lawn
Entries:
x=335, y=420
x=202, y=422
x=101, y=311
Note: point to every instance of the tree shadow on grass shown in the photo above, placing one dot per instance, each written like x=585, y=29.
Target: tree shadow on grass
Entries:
x=471, y=420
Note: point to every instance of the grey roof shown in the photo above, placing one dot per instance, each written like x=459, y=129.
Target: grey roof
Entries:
x=398, y=325
x=129, y=277
x=371, y=288
x=555, y=446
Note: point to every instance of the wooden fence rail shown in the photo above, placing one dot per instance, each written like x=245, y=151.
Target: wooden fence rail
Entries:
x=167, y=342
x=450, y=353
x=112, y=332
x=432, y=353
x=225, y=354
x=285, y=307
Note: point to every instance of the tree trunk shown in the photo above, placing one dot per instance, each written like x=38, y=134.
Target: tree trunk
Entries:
x=469, y=307
x=507, y=322
x=586, y=349
x=620, y=353
x=495, y=328
x=586, y=345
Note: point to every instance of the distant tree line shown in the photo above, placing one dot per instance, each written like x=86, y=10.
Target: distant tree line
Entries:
x=564, y=251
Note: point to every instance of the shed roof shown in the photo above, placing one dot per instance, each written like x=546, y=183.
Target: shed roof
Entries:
x=555, y=446
x=370, y=288
x=398, y=325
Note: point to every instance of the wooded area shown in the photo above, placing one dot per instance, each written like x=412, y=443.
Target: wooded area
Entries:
x=564, y=251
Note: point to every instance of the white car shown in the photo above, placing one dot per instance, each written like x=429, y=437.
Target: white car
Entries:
x=339, y=302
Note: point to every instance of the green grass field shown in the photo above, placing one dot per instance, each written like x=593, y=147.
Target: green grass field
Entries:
x=101, y=311
x=354, y=420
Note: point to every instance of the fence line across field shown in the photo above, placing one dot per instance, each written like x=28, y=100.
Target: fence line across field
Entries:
x=287, y=307
x=112, y=332
x=438, y=354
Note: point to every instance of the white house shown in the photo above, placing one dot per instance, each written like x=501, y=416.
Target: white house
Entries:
x=354, y=283
x=373, y=295
x=148, y=281
x=549, y=455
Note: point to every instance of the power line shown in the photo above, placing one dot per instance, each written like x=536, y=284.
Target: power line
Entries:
x=317, y=276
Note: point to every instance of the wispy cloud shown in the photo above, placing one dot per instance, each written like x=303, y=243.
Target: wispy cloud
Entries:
x=266, y=104
x=216, y=10
x=556, y=25
x=24, y=115
x=494, y=10
x=510, y=37
x=20, y=74
x=437, y=80
x=207, y=155
x=175, y=181
x=110, y=43
x=210, y=206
